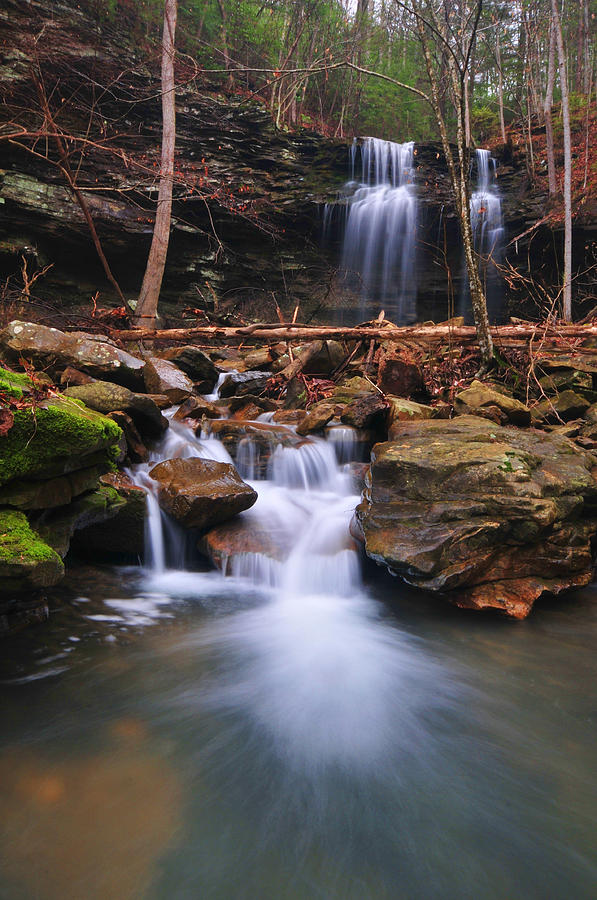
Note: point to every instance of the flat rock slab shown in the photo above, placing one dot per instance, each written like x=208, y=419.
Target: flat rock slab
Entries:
x=491, y=516
x=57, y=350
x=201, y=493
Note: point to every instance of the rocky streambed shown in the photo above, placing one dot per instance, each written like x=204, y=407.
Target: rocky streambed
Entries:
x=485, y=501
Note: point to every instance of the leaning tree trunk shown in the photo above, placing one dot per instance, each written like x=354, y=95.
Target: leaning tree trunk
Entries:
x=147, y=305
x=567, y=286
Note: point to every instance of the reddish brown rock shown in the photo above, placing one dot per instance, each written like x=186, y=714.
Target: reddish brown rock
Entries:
x=200, y=493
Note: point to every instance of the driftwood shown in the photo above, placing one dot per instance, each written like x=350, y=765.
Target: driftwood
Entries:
x=503, y=335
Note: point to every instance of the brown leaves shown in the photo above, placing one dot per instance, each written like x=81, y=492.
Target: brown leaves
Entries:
x=6, y=421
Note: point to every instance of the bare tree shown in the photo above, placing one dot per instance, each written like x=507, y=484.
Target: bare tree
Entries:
x=567, y=284
x=147, y=304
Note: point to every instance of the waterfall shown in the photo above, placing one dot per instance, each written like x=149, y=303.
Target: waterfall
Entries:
x=488, y=230
x=378, y=255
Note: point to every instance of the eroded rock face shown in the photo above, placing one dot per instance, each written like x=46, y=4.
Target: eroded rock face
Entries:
x=56, y=350
x=491, y=516
x=200, y=493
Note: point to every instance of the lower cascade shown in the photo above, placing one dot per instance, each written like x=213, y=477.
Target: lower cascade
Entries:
x=488, y=230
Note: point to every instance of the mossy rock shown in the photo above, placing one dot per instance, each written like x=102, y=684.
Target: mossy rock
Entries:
x=59, y=437
x=15, y=384
x=25, y=560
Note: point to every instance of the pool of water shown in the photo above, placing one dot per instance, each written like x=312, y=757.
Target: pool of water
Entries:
x=181, y=735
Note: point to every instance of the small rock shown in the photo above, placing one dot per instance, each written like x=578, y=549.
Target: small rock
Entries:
x=163, y=377
x=317, y=418
x=562, y=408
x=368, y=412
x=196, y=408
x=402, y=410
x=399, y=377
x=241, y=383
x=478, y=397
x=194, y=363
x=106, y=397
x=136, y=450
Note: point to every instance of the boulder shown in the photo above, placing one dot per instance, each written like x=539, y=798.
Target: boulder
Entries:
x=49, y=348
x=56, y=438
x=479, y=397
x=105, y=397
x=58, y=526
x=491, y=516
x=163, y=377
x=200, y=493
x=194, y=363
x=240, y=383
x=50, y=493
x=241, y=537
x=124, y=534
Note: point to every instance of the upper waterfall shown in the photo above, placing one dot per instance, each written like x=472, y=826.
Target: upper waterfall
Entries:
x=488, y=230
x=378, y=256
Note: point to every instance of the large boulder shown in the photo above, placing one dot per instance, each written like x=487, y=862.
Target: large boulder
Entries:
x=200, y=493
x=105, y=397
x=491, y=516
x=49, y=348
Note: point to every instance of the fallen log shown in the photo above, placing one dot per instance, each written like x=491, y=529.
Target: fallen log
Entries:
x=390, y=333
x=305, y=356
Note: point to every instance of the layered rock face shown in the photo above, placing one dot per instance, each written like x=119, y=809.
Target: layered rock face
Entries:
x=490, y=516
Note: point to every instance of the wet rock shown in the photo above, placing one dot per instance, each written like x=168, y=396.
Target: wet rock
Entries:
x=200, y=493
x=49, y=348
x=317, y=418
x=26, y=561
x=562, y=408
x=265, y=404
x=367, y=412
x=194, y=363
x=398, y=376
x=288, y=416
x=478, y=397
x=251, y=444
x=247, y=412
x=258, y=358
x=491, y=516
x=239, y=538
x=352, y=389
x=163, y=377
x=15, y=384
x=242, y=383
x=105, y=397
x=196, y=408
x=123, y=535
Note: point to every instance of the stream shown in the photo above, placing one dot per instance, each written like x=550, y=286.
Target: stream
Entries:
x=305, y=727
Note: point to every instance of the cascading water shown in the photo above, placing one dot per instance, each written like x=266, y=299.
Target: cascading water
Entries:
x=488, y=230
x=379, y=247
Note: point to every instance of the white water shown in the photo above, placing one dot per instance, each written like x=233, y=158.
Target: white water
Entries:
x=488, y=229
x=378, y=255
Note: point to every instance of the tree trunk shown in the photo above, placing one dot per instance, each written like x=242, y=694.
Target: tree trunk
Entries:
x=500, y=87
x=147, y=305
x=551, y=71
x=567, y=285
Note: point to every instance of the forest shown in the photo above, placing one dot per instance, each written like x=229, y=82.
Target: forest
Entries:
x=298, y=449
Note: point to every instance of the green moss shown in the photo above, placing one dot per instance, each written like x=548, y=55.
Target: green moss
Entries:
x=14, y=383
x=19, y=542
x=53, y=440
